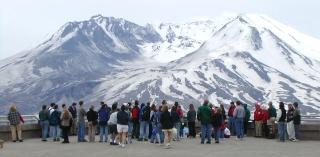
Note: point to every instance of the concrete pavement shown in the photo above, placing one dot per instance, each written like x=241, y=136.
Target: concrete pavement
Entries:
x=250, y=147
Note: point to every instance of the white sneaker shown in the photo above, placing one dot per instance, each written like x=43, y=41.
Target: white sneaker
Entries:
x=122, y=145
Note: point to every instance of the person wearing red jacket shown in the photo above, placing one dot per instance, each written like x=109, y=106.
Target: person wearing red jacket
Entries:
x=258, y=116
x=231, y=120
x=265, y=117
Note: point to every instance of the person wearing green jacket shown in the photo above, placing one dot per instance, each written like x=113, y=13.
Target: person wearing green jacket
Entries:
x=205, y=117
x=246, y=118
x=272, y=117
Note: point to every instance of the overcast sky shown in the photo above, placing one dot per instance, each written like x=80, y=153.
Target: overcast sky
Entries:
x=26, y=23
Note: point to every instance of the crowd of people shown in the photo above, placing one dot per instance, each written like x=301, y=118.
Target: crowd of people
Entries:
x=120, y=124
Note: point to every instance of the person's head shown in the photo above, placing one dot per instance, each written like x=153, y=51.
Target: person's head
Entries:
x=136, y=103
x=210, y=105
x=13, y=108
x=101, y=103
x=290, y=106
x=80, y=103
x=129, y=104
x=64, y=107
x=55, y=107
x=281, y=105
x=245, y=106
x=148, y=104
x=164, y=102
x=270, y=104
x=160, y=108
x=153, y=107
x=173, y=109
x=206, y=102
x=74, y=104
x=44, y=107
x=176, y=104
x=123, y=108
x=191, y=107
x=52, y=105
x=165, y=108
x=91, y=107
x=238, y=103
x=142, y=105
x=114, y=106
x=295, y=104
x=222, y=106
x=258, y=107
x=232, y=103
x=104, y=106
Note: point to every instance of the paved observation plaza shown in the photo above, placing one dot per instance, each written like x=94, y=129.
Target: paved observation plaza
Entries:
x=249, y=147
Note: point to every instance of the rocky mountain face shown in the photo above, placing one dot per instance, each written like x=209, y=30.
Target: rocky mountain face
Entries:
x=251, y=58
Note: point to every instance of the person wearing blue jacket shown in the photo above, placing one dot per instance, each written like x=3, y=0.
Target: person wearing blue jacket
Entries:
x=144, y=121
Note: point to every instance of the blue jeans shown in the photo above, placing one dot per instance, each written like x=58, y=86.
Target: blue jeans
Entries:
x=177, y=126
x=217, y=132
x=282, y=130
x=239, y=127
x=55, y=132
x=297, y=131
x=144, y=129
x=44, y=129
x=222, y=133
x=81, y=131
x=206, y=131
x=104, y=131
x=231, y=124
x=130, y=128
x=161, y=136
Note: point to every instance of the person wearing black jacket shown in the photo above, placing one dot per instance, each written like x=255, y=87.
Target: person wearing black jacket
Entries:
x=176, y=121
x=281, y=118
x=92, y=117
x=122, y=125
x=296, y=120
x=217, y=119
x=73, y=110
x=191, y=117
x=166, y=121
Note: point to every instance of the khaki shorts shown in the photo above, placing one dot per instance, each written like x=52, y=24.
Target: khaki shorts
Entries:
x=122, y=128
x=271, y=121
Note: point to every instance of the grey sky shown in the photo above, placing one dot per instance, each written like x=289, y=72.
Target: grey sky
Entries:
x=26, y=23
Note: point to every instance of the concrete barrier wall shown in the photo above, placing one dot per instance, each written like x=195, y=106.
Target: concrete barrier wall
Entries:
x=307, y=131
x=28, y=131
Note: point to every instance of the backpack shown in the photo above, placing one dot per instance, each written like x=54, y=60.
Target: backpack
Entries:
x=155, y=118
x=54, y=118
x=103, y=116
x=146, y=114
x=135, y=113
x=65, y=115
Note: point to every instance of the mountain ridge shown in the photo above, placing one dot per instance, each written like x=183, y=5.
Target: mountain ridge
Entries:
x=250, y=57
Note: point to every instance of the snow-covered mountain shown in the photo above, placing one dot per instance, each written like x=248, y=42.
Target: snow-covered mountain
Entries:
x=178, y=39
x=250, y=57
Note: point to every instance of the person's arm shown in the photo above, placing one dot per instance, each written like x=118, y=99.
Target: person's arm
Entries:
x=198, y=114
x=235, y=112
x=295, y=113
x=278, y=115
x=21, y=118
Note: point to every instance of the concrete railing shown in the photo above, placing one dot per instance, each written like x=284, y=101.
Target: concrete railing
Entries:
x=28, y=119
x=309, y=130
